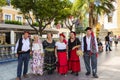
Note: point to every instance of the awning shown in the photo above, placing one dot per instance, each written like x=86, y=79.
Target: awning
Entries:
x=22, y=28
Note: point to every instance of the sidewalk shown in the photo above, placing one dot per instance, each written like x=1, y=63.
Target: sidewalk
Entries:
x=108, y=69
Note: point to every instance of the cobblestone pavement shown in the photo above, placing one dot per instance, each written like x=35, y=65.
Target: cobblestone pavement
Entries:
x=108, y=69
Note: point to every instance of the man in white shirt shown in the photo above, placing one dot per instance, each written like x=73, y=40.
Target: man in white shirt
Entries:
x=90, y=49
x=22, y=50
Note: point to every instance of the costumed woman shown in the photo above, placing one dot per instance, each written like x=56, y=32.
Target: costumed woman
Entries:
x=49, y=59
x=74, y=60
x=38, y=56
x=61, y=54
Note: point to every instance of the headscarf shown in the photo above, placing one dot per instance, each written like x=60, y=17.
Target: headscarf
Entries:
x=64, y=40
x=61, y=34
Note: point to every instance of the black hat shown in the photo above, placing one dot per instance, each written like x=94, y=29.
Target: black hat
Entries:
x=88, y=28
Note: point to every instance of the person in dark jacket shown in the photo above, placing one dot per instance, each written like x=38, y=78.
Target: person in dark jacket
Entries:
x=107, y=42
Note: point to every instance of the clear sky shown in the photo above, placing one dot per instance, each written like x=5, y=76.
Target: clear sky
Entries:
x=71, y=0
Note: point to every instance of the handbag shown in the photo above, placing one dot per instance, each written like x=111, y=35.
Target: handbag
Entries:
x=79, y=52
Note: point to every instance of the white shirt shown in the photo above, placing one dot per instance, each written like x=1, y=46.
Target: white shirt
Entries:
x=88, y=41
x=111, y=38
x=60, y=46
x=37, y=46
x=25, y=46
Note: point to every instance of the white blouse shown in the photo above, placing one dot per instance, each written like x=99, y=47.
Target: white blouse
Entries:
x=37, y=46
x=60, y=46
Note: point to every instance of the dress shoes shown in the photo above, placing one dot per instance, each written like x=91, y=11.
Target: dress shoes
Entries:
x=87, y=73
x=72, y=72
x=25, y=76
x=76, y=74
x=18, y=78
x=95, y=75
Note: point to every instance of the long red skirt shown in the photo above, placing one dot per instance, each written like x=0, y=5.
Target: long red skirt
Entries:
x=62, y=66
x=74, y=62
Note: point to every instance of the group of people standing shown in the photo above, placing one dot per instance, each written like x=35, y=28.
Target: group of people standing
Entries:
x=50, y=55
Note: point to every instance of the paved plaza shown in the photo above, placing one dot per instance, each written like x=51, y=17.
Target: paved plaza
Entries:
x=108, y=69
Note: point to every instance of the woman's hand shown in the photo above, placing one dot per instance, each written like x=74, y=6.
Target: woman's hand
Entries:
x=16, y=55
x=74, y=48
x=42, y=54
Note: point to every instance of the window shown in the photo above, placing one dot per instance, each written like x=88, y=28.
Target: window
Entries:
x=109, y=18
x=7, y=17
x=18, y=18
x=8, y=2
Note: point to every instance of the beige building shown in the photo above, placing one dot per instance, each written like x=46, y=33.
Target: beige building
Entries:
x=112, y=23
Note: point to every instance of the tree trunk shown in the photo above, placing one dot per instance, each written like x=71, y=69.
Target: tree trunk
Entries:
x=91, y=19
x=40, y=33
x=71, y=27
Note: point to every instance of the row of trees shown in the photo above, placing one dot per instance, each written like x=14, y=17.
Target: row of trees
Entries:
x=85, y=12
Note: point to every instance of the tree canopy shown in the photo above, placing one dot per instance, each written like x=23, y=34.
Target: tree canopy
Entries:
x=2, y=3
x=43, y=11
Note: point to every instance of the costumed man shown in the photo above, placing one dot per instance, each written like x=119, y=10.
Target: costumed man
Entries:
x=90, y=49
x=22, y=50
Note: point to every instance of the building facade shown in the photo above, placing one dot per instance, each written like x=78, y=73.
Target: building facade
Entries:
x=112, y=22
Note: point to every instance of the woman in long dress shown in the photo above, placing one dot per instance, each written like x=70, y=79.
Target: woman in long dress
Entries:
x=61, y=47
x=38, y=56
x=74, y=61
x=49, y=59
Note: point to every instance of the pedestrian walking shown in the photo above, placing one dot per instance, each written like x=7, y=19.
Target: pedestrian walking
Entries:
x=49, y=58
x=74, y=60
x=22, y=50
x=107, y=42
x=61, y=49
x=111, y=40
x=100, y=45
x=90, y=49
x=115, y=40
x=37, y=56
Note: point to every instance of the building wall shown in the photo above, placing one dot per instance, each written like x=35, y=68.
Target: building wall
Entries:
x=8, y=10
x=114, y=26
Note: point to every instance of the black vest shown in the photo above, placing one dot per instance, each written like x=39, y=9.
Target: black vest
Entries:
x=19, y=45
x=85, y=44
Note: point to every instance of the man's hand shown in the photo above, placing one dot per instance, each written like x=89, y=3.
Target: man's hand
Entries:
x=97, y=54
x=31, y=52
x=16, y=55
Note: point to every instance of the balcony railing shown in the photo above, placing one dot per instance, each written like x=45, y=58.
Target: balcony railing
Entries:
x=7, y=53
